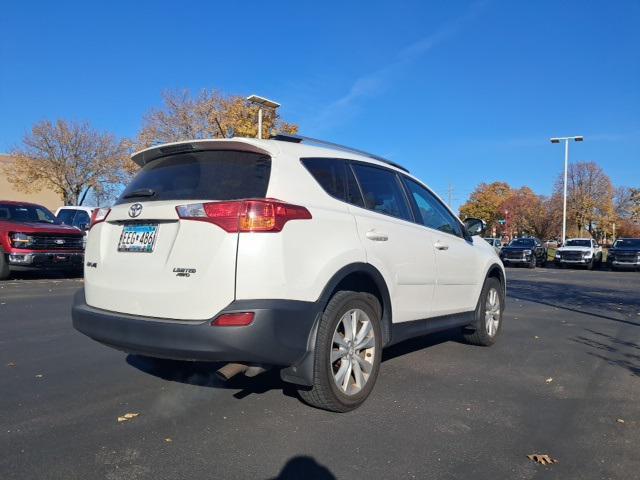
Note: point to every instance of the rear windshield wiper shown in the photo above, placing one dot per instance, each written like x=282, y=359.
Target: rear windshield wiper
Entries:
x=141, y=192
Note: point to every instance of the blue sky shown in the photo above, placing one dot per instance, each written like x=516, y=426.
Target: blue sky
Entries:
x=458, y=92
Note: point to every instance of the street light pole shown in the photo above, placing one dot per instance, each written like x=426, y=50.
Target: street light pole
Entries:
x=564, y=201
x=566, y=140
x=262, y=102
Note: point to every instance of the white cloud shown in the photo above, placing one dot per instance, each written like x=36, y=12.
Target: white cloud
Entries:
x=376, y=82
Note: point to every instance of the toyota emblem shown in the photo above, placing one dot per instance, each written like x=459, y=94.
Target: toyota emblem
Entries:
x=135, y=210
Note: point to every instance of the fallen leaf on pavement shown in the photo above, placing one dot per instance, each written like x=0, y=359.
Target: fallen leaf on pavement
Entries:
x=549, y=380
x=168, y=440
x=542, y=459
x=620, y=420
x=11, y=364
x=39, y=375
x=127, y=416
x=536, y=337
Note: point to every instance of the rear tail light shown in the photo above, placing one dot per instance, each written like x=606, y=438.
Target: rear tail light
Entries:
x=99, y=215
x=245, y=215
x=239, y=319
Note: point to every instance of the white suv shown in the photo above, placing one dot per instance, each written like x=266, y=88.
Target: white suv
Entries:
x=289, y=253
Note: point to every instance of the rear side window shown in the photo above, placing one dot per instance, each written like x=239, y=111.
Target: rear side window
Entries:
x=207, y=175
x=336, y=178
x=75, y=218
x=382, y=191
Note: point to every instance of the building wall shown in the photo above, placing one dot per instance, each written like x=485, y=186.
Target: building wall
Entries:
x=48, y=198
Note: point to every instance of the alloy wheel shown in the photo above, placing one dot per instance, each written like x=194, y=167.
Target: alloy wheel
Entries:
x=352, y=351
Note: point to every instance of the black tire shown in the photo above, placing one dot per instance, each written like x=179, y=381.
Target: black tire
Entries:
x=325, y=393
x=532, y=263
x=477, y=332
x=4, y=267
x=590, y=264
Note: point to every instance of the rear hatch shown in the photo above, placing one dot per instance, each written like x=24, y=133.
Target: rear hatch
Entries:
x=147, y=259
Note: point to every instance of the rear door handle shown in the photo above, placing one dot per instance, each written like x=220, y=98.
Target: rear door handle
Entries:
x=441, y=246
x=376, y=236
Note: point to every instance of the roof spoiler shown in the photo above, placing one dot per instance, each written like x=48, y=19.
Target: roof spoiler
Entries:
x=157, y=151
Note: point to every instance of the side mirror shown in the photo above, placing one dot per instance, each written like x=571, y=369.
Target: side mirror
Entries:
x=475, y=226
x=83, y=226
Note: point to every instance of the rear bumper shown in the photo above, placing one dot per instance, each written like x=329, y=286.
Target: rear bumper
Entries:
x=279, y=335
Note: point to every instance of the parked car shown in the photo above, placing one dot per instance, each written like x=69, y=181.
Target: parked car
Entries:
x=287, y=253
x=76, y=216
x=527, y=251
x=579, y=251
x=496, y=243
x=31, y=238
x=624, y=254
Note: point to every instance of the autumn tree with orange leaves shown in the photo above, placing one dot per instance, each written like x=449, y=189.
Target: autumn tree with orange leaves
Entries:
x=207, y=114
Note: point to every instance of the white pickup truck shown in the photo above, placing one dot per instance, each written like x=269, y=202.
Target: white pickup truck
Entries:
x=579, y=251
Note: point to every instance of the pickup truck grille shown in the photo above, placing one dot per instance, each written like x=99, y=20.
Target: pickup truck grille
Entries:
x=626, y=257
x=572, y=255
x=47, y=241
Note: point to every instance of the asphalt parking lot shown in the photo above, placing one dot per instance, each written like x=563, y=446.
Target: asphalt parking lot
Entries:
x=564, y=380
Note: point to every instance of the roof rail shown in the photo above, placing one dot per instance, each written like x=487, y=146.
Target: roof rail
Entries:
x=323, y=143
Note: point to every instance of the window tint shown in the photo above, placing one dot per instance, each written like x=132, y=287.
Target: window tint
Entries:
x=336, y=178
x=75, y=218
x=432, y=213
x=522, y=242
x=208, y=175
x=26, y=213
x=382, y=191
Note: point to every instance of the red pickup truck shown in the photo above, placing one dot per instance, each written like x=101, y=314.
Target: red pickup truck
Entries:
x=31, y=238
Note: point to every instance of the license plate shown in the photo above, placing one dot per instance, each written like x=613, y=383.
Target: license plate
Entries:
x=138, y=238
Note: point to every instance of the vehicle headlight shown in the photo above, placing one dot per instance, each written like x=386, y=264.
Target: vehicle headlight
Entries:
x=587, y=254
x=527, y=252
x=20, y=240
x=558, y=255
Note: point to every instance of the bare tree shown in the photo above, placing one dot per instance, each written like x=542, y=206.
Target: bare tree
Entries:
x=627, y=203
x=208, y=114
x=68, y=158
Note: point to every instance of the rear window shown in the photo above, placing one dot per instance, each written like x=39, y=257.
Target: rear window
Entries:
x=207, y=175
x=75, y=218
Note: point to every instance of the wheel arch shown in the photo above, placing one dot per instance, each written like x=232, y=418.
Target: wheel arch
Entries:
x=360, y=277
x=496, y=271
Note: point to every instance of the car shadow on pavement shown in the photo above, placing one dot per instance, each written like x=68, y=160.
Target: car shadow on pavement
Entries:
x=420, y=343
x=596, y=301
x=203, y=374
x=46, y=275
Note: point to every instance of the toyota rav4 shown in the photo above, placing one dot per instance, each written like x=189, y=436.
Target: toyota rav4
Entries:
x=289, y=253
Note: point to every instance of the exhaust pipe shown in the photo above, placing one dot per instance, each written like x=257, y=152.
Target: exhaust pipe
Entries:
x=230, y=370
